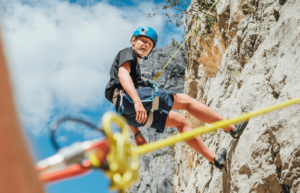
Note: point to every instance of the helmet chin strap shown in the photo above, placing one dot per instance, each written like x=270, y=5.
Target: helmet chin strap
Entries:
x=145, y=57
x=139, y=56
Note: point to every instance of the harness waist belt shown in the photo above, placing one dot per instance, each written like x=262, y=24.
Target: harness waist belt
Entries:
x=155, y=106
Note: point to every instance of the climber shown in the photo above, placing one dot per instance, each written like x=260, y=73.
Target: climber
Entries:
x=125, y=76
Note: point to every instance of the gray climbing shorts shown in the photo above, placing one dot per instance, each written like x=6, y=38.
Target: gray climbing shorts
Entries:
x=166, y=101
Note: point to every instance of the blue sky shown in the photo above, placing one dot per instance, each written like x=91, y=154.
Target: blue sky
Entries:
x=59, y=54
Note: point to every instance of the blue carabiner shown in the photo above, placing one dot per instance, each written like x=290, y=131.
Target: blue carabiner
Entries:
x=154, y=94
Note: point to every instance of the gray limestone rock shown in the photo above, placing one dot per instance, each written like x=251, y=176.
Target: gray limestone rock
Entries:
x=259, y=68
x=172, y=77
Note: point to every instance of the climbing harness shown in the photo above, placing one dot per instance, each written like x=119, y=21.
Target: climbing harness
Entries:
x=159, y=73
x=154, y=99
x=154, y=95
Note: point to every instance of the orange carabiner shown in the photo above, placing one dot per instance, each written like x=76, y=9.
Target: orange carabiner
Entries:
x=101, y=149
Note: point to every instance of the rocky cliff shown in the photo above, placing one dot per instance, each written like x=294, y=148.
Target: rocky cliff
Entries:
x=250, y=61
x=157, y=168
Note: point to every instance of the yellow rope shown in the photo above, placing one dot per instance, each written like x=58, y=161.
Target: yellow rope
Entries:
x=123, y=156
x=159, y=73
x=221, y=124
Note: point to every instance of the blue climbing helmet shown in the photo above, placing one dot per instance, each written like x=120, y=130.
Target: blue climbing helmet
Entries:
x=148, y=32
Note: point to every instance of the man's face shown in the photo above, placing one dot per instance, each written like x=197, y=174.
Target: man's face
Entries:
x=142, y=45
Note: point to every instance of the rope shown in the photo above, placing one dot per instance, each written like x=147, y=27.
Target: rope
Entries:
x=159, y=73
x=204, y=129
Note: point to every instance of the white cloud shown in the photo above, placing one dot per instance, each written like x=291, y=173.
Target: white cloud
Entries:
x=60, y=53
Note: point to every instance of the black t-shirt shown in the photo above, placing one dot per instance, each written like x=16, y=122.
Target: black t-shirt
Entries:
x=128, y=54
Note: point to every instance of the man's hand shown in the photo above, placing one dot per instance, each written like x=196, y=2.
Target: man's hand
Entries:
x=140, y=140
x=141, y=113
x=127, y=84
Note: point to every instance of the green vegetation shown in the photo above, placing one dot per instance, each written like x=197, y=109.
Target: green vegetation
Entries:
x=175, y=10
x=174, y=43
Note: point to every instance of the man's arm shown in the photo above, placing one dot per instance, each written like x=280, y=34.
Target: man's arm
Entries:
x=126, y=81
x=127, y=84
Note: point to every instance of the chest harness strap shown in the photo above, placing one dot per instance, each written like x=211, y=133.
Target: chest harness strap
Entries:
x=154, y=99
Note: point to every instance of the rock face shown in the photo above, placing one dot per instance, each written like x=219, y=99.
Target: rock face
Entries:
x=157, y=168
x=260, y=67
